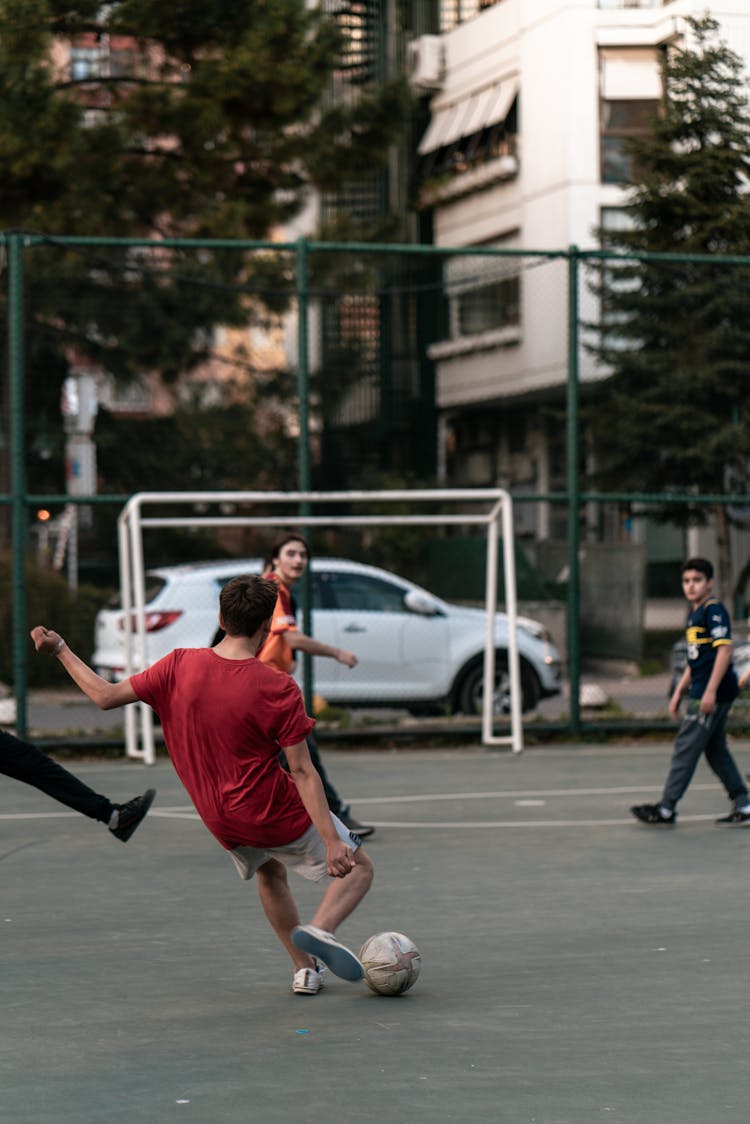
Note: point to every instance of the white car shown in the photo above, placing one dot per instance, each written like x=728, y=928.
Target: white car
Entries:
x=414, y=649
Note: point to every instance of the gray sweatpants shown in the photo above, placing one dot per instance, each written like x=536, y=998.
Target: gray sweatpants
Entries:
x=703, y=733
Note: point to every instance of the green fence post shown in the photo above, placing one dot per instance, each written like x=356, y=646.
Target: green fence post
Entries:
x=17, y=473
x=574, y=496
x=303, y=368
x=303, y=449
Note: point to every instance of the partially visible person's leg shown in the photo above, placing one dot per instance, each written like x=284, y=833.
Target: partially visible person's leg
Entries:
x=308, y=857
x=332, y=796
x=280, y=908
x=313, y=945
x=692, y=738
x=24, y=762
x=343, y=895
x=724, y=766
x=340, y=898
x=721, y=760
x=335, y=803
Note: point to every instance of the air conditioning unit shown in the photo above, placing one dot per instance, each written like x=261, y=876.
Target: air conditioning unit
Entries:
x=426, y=62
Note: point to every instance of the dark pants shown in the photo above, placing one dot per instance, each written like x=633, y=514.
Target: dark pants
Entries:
x=332, y=796
x=703, y=733
x=24, y=762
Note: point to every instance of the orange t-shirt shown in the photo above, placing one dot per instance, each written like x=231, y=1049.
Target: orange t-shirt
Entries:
x=275, y=651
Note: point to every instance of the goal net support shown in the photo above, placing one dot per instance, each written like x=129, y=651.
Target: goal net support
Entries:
x=492, y=509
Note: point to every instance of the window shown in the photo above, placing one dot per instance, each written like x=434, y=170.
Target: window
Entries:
x=106, y=58
x=454, y=12
x=484, y=293
x=631, y=91
x=359, y=593
x=612, y=280
x=88, y=62
x=622, y=120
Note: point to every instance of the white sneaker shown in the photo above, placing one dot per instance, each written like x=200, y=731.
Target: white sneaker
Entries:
x=324, y=946
x=306, y=982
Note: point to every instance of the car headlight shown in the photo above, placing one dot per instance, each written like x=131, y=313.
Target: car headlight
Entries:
x=534, y=628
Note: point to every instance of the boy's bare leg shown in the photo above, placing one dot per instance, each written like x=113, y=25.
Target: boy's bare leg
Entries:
x=343, y=895
x=340, y=898
x=280, y=908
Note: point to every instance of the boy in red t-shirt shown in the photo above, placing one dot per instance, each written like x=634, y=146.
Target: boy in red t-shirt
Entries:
x=225, y=717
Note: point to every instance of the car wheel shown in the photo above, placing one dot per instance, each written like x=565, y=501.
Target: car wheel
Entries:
x=470, y=691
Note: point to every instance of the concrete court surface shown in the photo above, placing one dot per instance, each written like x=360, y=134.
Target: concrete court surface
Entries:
x=577, y=966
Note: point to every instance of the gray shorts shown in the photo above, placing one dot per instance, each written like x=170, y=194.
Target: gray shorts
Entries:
x=305, y=856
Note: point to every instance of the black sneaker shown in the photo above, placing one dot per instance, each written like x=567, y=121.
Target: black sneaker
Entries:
x=360, y=829
x=735, y=817
x=131, y=814
x=653, y=814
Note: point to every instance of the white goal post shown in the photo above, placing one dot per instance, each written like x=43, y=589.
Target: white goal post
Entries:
x=496, y=518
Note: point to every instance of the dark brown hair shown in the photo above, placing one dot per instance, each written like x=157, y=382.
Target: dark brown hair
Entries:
x=702, y=565
x=246, y=602
x=276, y=547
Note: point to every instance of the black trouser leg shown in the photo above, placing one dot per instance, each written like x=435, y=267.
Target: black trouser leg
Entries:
x=24, y=762
x=332, y=796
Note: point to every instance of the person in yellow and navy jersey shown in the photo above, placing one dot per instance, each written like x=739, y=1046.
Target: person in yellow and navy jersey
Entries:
x=710, y=683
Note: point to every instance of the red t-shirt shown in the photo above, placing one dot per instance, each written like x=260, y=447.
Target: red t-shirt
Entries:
x=224, y=722
x=275, y=651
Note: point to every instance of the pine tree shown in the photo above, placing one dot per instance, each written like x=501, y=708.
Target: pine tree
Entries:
x=674, y=414
x=193, y=119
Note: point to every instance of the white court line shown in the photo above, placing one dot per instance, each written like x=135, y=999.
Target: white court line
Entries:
x=514, y=794
x=187, y=812
x=461, y=826
x=37, y=815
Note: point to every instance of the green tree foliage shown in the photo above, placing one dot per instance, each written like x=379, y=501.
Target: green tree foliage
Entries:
x=213, y=127
x=675, y=413
x=48, y=599
x=199, y=118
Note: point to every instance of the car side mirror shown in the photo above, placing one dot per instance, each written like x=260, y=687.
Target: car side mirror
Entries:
x=417, y=602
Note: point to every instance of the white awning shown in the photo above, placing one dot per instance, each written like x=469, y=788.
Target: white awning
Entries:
x=478, y=110
x=440, y=127
x=630, y=73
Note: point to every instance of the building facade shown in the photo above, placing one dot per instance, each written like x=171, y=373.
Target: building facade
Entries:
x=530, y=104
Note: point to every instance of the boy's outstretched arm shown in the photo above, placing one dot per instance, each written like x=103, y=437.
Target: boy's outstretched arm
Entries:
x=107, y=696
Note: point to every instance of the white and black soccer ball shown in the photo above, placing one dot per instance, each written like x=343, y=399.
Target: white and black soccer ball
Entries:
x=391, y=962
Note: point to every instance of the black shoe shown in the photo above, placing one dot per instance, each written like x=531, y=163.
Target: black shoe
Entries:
x=360, y=829
x=735, y=817
x=131, y=814
x=653, y=814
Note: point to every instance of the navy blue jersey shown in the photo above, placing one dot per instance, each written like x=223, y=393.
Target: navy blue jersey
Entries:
x=708, y=629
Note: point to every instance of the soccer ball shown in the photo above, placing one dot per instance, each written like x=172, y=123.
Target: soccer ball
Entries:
x=391, y=962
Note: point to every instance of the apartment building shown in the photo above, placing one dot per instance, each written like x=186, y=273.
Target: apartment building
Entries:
x=530, y=102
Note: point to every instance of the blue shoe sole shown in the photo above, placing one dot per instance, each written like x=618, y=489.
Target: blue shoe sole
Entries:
x=338, y=959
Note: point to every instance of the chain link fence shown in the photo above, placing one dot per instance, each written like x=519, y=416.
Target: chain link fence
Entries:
x=134, y=365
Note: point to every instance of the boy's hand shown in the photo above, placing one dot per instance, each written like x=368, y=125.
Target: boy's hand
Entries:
x=708, y=701
x=674, y=704
x=339, y=859
x=744, y=679
x=46, y=640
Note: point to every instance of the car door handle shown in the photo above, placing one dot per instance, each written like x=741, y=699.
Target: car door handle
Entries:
x=354, y=628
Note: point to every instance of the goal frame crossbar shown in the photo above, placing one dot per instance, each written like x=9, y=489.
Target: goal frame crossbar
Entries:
x=497, y=519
